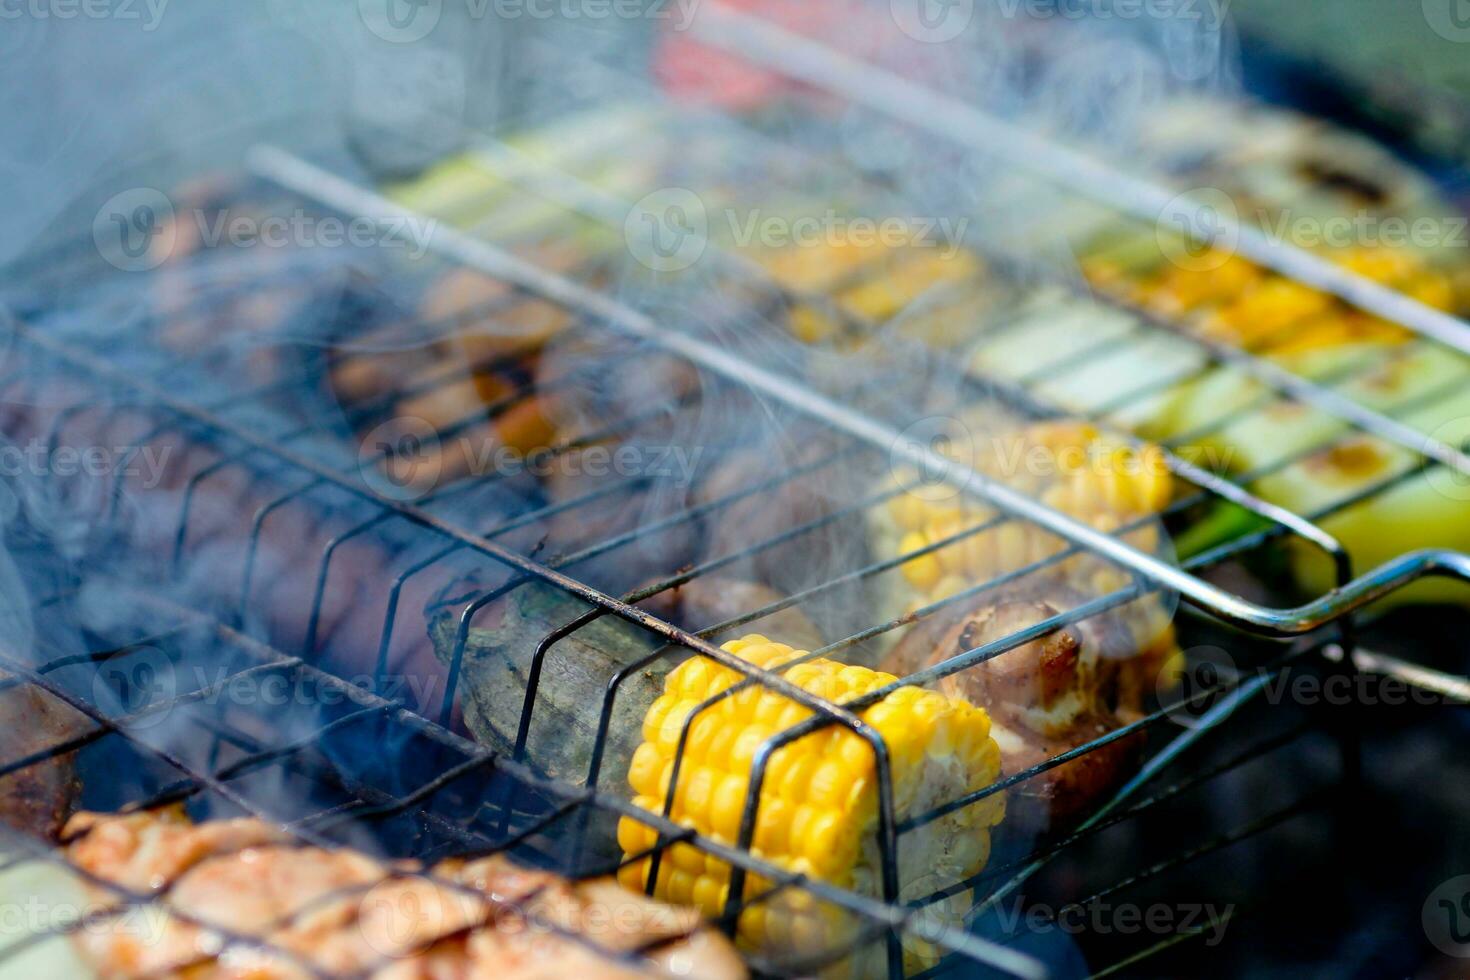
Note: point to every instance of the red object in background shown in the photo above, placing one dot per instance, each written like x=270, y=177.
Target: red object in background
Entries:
x=692, y=71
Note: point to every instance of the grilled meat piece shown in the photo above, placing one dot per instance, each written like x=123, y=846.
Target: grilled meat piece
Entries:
x=242, y=898
x=37, y=798
x=1052, y=694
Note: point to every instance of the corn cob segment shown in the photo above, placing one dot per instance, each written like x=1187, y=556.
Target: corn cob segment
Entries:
x=819, y=804
x=1070, y=466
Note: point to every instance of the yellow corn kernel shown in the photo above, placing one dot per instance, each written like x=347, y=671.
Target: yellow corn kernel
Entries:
x=728, y=805
x=709, y=895
x=644, y=770
x=924, y=571
x=631, y=836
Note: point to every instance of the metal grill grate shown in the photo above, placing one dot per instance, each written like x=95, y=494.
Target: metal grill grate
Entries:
x=269, y=462
x=272, y=462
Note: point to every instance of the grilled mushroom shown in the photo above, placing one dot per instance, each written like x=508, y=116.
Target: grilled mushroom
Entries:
x=1052, y=694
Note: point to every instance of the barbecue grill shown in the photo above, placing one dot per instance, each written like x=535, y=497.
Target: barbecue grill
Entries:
x=313, y=668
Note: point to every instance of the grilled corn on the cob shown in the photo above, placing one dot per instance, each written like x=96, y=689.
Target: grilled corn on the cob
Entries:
x=818, y=808
x=1071, y=466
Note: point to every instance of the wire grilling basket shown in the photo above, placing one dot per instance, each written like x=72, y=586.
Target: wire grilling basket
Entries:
x=280, y=504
